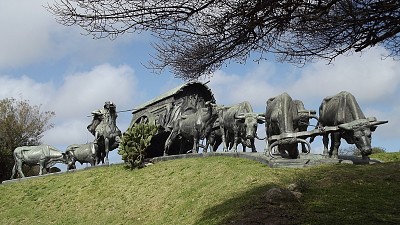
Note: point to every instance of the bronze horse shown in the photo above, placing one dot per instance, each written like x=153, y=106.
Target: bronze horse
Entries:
x=106, y=133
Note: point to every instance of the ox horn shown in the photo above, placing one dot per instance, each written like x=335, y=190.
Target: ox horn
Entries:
x=240, y=116
x=314, y=116
x=309, y=113
x=345, y=126
x=373, y=121
x=261, y=117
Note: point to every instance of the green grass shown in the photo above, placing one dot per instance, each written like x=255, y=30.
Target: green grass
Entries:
x=211, y=190
x=387, y=157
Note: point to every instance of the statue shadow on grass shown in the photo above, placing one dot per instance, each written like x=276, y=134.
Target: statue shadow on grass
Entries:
x=253, y=207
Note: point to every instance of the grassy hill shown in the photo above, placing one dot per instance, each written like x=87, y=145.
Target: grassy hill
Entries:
x=211, y=190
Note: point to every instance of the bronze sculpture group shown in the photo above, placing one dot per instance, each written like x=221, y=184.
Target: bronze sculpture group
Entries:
x=189, y=114
x=107, y=138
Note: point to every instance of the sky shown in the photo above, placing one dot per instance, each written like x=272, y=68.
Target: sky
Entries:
x=72, y=74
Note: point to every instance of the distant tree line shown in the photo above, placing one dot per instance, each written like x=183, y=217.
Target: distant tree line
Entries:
x=354, y=151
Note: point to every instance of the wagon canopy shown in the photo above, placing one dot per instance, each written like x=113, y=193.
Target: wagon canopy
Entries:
x=189, y=96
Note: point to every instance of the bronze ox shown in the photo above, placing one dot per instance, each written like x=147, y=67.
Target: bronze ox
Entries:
x=83, y=153
x=43, y=155
x=193, y=127
x=303, y=123
x=342, y=110
x=237, y=125
x=285, y=117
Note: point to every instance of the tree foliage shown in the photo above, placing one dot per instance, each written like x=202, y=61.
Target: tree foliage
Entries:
x=198, y=37
x=134, y=143
x=20, y=125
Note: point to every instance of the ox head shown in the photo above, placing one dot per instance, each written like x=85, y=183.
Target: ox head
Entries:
x=306, y=115
x=249, y=122
x=70, y=159
x=359, y=132
x=211, y=107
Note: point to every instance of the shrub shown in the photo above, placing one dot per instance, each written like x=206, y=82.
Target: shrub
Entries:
x=134, y=144
x=378, y=150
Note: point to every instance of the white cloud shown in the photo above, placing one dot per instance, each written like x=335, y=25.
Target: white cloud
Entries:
x=86, y=91
x=25, y=35
x=30, y=34
x=367, y=76
x=76, y=98
x=81, y=93
x=25, y=88
x=253, y=86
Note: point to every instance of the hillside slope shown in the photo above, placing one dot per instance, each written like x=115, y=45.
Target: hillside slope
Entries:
x=212, y=190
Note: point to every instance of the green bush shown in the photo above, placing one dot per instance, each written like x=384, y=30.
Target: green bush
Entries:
x=376, y=150
x=134, y=144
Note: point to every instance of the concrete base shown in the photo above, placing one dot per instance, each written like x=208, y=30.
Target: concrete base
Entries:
x=303, y=161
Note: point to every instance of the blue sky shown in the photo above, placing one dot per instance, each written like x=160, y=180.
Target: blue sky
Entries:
x=73, y=74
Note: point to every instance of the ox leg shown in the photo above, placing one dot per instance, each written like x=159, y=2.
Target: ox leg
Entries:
x=96, y=137
x=209, y=143
x=325, y=141
x=71, y=165
x=235, y=142
x=223, y=138
x=106, y=146
x=253, y=147
x=216, y=144
x=205, y=149
x=168, y=142
x=335, y=145
x=195, y=145
x=96, y=154
x=92, y=161
x=41, y=166
x=303, y=148
x=19, y=169
x=294, y=154
x=282, y=151
x=14, y=170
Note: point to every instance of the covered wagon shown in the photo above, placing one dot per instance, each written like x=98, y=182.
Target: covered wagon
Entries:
x=166, y=108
